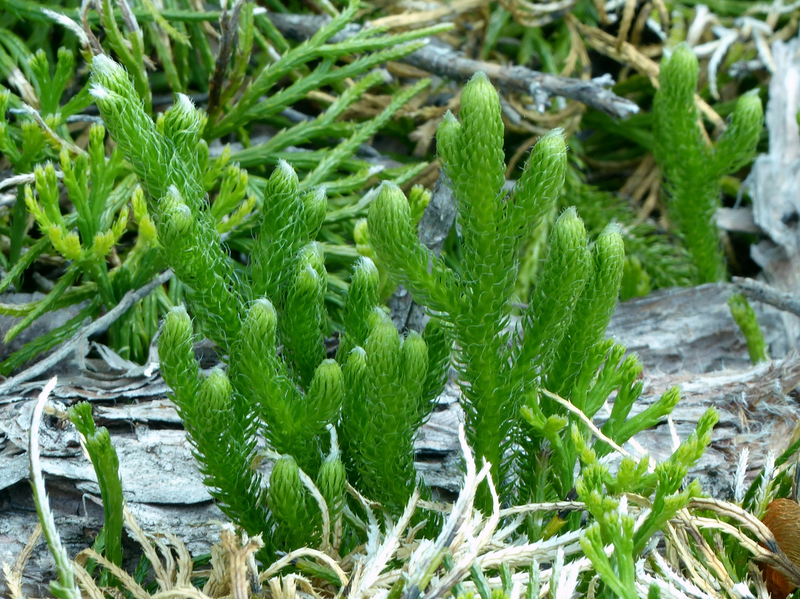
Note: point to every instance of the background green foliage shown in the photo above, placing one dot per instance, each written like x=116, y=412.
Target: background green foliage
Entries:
x=113, y=251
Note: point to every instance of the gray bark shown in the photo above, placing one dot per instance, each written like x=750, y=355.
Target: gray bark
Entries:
x=434, y=226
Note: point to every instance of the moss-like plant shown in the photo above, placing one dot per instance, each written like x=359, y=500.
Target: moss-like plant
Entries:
x=527, y=394
x=745, y=317
x=270, y=324
x=508, y=377
x=694, y=168
x=106, y=466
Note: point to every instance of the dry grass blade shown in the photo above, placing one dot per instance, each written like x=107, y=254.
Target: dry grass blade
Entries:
x=150, y=553
x=631, y=56
x=697, y=572
x=289, y=558
x=126, y=579
x=681, y=586
x=553, y=506
x=238, y=561
x=426, y=17
x=169, y=562
x=523, y=555
x=13, y=574
x=218, y=579
x=768, y=552
x=709, y=556
x=87, y=583
x=537, y=14
x=730, y=510
x=587, y=421
x=184, y=577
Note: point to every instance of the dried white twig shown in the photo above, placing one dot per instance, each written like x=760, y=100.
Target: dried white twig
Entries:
x=24, y=179
x=67, y=589
x=305, y=552
x=587, y=421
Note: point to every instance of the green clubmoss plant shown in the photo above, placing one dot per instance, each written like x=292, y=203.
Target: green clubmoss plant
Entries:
x=418, y=199
x=693, y=168
x=106, y=467
x=560, y=346
x=600, y=491
x=270, y=323
x=746, y=319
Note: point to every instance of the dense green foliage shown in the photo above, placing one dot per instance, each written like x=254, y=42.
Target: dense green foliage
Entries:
x=311, y=363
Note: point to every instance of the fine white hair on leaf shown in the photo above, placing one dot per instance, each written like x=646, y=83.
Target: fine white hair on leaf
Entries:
x=285, y=166
x=99, y=92
x=184, y=102
x=105, y=66
x=65, y=21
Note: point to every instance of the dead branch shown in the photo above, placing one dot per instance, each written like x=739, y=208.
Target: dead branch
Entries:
x=756, y=290
x=440, y=59
x=228, y=25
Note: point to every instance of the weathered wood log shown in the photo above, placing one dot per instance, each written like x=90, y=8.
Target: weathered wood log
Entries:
x=683, y=337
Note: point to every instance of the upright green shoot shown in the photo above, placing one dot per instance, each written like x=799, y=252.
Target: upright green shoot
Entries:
x=693, y=168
